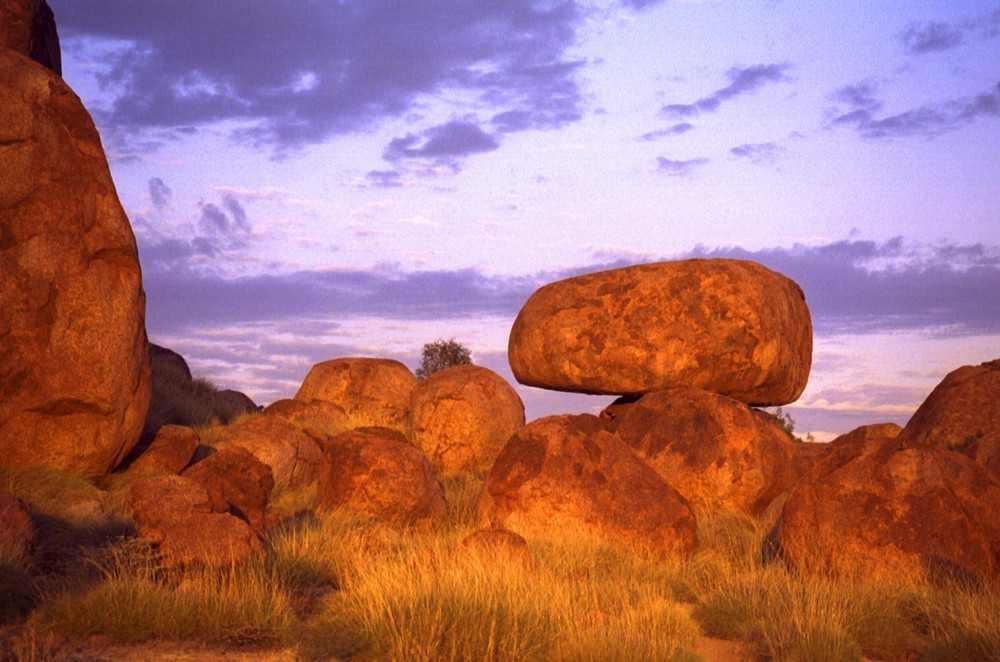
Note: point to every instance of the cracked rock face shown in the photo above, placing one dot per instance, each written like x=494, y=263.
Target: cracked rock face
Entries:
x=731, y=327
x=74, y=367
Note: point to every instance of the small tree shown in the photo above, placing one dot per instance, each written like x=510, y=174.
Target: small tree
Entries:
x=442, y=354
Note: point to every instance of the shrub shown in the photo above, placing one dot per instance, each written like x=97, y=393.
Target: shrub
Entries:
x=442, y=354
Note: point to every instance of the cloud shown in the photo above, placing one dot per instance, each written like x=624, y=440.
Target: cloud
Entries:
x=741, y=81
x=215, y=221
x=678, y=168
x=676, y=129
x=385, y=178
x=758, y=153
x=292, y=74
x=443, y=144
x=159, y=193
x=928, y=120
x=930, y=37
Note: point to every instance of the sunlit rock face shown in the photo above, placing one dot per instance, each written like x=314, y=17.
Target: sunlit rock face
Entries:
x=462, y=416
x=731, y=327
x=74, y=367
x=716, y=451
x=566, y=475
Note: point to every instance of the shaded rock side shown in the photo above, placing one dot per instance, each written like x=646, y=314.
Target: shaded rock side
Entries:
x=462, y=416
x=376, y=473
x=29, y=28
x=872, y=503
x=731, y=327
x=292, y=453
x=963, y=410
x=564, y=475
x=372, y=392
x=716, y=451
x=74, y=368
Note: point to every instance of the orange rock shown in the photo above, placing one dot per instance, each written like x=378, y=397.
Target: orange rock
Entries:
x=562, y=475
x=323, y=416
x=172, y=449
x=462, y=416
x=237, y=483
x=372, y=392
x=731, y=327
x=717, y=452
x=74, y=367
x=292, y=453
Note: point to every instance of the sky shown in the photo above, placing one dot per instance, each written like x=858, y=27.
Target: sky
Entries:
x=311, y=180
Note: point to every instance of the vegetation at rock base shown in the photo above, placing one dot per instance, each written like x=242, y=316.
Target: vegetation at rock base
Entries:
x=442, y=354
x=342, y=588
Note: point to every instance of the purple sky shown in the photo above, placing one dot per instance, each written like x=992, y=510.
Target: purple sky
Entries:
x=309, y=180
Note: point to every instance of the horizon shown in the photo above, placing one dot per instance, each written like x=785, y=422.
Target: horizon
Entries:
x=310, y=181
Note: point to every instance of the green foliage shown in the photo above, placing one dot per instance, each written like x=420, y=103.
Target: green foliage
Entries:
x=442, y=354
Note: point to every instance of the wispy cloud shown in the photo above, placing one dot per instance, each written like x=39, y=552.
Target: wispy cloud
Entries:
x=676, y=129
x=678, y=168
x=741, y=81
x=159, y=193
x=445, y=144
x=758, y=153
x=930, y=37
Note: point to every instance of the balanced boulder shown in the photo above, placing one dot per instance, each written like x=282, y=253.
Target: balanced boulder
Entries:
x=462, y=416
x=716, y=451
x=378, y=474
x=74, y=367
x=564, y=475
x=371, y=391
x=731, y=327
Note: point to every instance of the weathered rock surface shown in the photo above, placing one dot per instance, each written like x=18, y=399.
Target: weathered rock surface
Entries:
x=563, y=475
x=962, y=410
x=876, y=503
x=462, y=416
x=716, y=451
x=176, y=512
x=377, y=473
x=172, y=449
x=325, y=417
x=237, y=483
x=731, y=327
x=292, y=453
x=17, y=528
x=74, y=369
x=372, y=392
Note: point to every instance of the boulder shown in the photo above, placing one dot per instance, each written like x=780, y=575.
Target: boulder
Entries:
x=172, y=449
x=462, y=416
x=377, y=473
x=731, y=327
x=716, y=451
x=564, y=475
x=871, y=504
x=372, y=392
x=807, y=454
x=237, y=483
x=961, y=411
x=74, y=368
x=176, y=512
x=292, y=453
x=16, y=20
x=325, y=417
x=17, y=527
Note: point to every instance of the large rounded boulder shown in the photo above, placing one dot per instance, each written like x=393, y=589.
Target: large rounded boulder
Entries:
x=462, y=416
x=563, y=475
x=371, y=391
x=731, y=327
x=74, y=367
x=378, y=474
x=716, y=451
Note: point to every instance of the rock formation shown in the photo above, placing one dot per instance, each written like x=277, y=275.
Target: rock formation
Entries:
x=462, y=416
x=372, y=392
x=377, y=473
x=237, y=483
x=731, y=327
x=715, y=451
x=563, y=475
x=172, y=450
x=292, y=453
x=325, y=417
x=74, y=368
x=29, y=28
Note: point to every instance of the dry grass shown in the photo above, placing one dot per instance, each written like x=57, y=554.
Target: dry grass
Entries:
x=342, y=588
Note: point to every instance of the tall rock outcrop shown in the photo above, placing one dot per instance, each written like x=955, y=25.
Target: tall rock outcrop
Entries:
x=74, y=367
x=731, y=327
x=29, y=27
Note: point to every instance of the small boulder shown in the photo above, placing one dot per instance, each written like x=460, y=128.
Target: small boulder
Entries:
x=372, y=392
x=731, y=327
x=377, y=473
x=562, y=475
x=462, y=416
x=237, y=483
x=172, y=449
x=716, y=451
x=325, y=417
x=292, y=453
x=876, y=503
